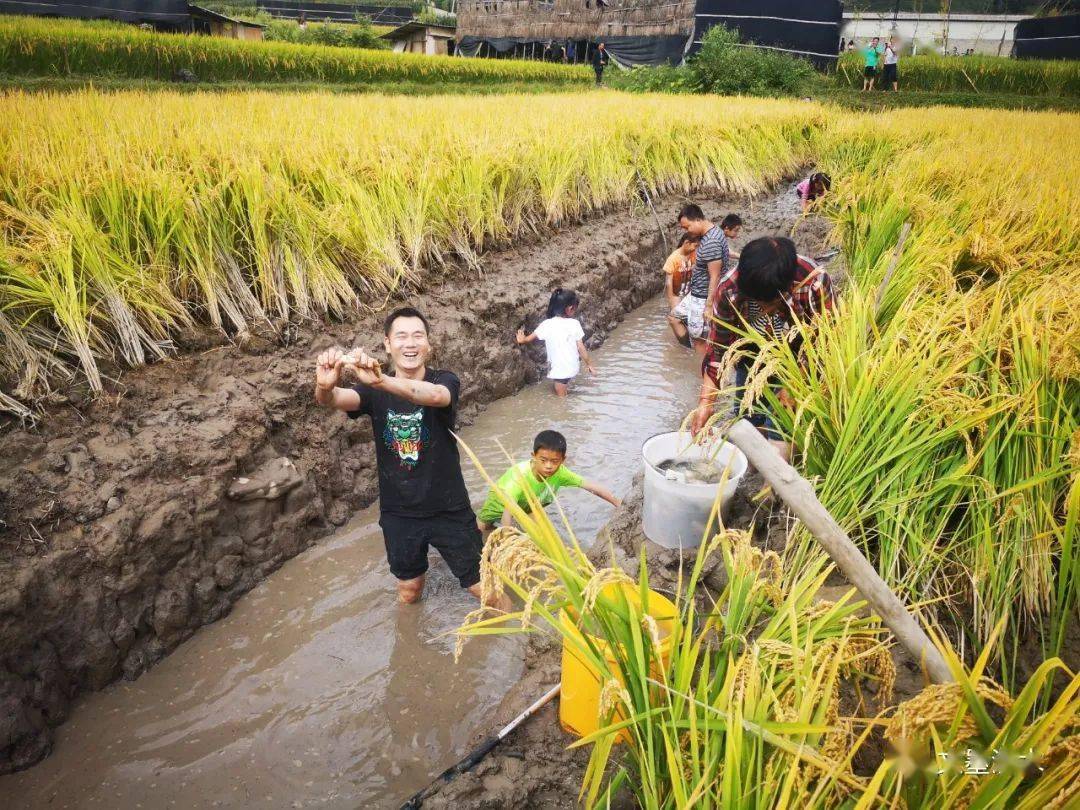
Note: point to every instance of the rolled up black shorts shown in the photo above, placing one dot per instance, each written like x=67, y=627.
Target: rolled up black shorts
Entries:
x=890, y=74
x=869, y=72
x=454, y=535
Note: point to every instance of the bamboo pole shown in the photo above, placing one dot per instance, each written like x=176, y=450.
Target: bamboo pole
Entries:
x=799, y=496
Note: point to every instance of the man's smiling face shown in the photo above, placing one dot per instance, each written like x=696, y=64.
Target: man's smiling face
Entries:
x=407, y=344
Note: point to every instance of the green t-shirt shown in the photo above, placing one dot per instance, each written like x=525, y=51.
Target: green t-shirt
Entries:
x=514, y=482
x=871, y=53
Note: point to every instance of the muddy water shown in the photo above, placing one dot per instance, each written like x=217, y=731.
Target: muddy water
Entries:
x=318, y=690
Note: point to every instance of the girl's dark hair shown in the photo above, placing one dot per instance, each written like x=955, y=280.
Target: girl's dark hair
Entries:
x=560, y=301
x=731, y=221
x=766, y=268
x=819, y=180
x=688, y=237
x=550, y=440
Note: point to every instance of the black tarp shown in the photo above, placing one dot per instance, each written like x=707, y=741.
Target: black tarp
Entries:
x=1048, y=38
x=805, y=28
x=168, y=12
x=626, y=51
x=338, y=12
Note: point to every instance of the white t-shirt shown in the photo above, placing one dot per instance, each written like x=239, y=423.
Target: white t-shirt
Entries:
x=891, y=57
x=560, y=336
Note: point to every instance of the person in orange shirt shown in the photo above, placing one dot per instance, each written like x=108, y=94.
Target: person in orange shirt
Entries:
x=677, y=283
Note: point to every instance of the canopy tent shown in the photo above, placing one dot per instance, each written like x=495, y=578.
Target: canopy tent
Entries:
x=625, y=51
x=158, y=12
x=805, y=28
x=1048, y=37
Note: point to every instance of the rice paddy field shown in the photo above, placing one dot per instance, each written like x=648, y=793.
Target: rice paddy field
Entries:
x=938, y=413
x=31, y=46
x=978, y=74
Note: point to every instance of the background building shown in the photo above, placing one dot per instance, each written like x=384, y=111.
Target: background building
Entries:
x=640, y=32
x=418, y=37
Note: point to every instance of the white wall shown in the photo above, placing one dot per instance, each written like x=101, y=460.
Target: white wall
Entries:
x=983, y=32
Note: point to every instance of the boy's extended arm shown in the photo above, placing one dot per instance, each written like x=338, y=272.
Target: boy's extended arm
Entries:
x=601, y=492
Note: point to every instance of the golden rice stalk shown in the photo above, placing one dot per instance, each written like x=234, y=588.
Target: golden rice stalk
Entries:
x=937, y=706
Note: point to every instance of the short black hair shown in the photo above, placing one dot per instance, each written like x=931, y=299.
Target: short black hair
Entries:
x=691, y=212
x=767, y=268
x=550, y=440
x=731, y=221
x=688, y=237
x=404, y=312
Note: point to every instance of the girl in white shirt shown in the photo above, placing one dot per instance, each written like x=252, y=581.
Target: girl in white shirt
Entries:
x=563, y=338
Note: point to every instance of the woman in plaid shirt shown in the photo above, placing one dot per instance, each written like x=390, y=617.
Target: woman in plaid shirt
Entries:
x=770, y=289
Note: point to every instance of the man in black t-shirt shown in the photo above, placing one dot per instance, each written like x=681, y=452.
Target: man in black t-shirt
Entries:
x=422, y=497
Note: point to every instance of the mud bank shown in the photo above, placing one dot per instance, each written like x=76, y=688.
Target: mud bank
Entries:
x=129, y=522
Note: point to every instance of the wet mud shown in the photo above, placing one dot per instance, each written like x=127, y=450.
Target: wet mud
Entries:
x=131, y=521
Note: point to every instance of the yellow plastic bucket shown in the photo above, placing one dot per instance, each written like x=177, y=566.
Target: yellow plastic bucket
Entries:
x=579, y=700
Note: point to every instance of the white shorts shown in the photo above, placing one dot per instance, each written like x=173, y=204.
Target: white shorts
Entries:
x=692, y=310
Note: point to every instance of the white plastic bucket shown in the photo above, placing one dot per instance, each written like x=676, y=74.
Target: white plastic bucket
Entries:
x=675, y=512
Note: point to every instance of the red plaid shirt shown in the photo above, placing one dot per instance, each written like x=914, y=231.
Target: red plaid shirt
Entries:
x=811, y=294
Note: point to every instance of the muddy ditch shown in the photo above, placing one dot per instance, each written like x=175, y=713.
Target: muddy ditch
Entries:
x=128, y=522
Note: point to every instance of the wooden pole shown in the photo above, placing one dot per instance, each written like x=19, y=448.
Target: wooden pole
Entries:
x=800, y=498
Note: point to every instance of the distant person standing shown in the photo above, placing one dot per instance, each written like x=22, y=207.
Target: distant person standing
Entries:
x=871, y=55
x=599, y=62
x=891, y=74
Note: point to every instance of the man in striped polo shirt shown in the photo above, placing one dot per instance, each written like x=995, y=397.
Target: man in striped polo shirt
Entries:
x=713, y=263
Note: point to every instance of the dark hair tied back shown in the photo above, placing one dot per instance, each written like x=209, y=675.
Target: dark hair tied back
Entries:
x=560, y=301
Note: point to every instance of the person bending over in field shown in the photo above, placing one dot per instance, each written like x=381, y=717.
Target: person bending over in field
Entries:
x=677, y=271
x=422, y=497
x=772, y=287
x=713, y=261
x=543, y=475
x=812, y=189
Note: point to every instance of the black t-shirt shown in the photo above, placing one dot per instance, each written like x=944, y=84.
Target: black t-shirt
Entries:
x=419, y=466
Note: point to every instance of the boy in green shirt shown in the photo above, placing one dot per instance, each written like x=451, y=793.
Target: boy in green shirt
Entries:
x=542, y=475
